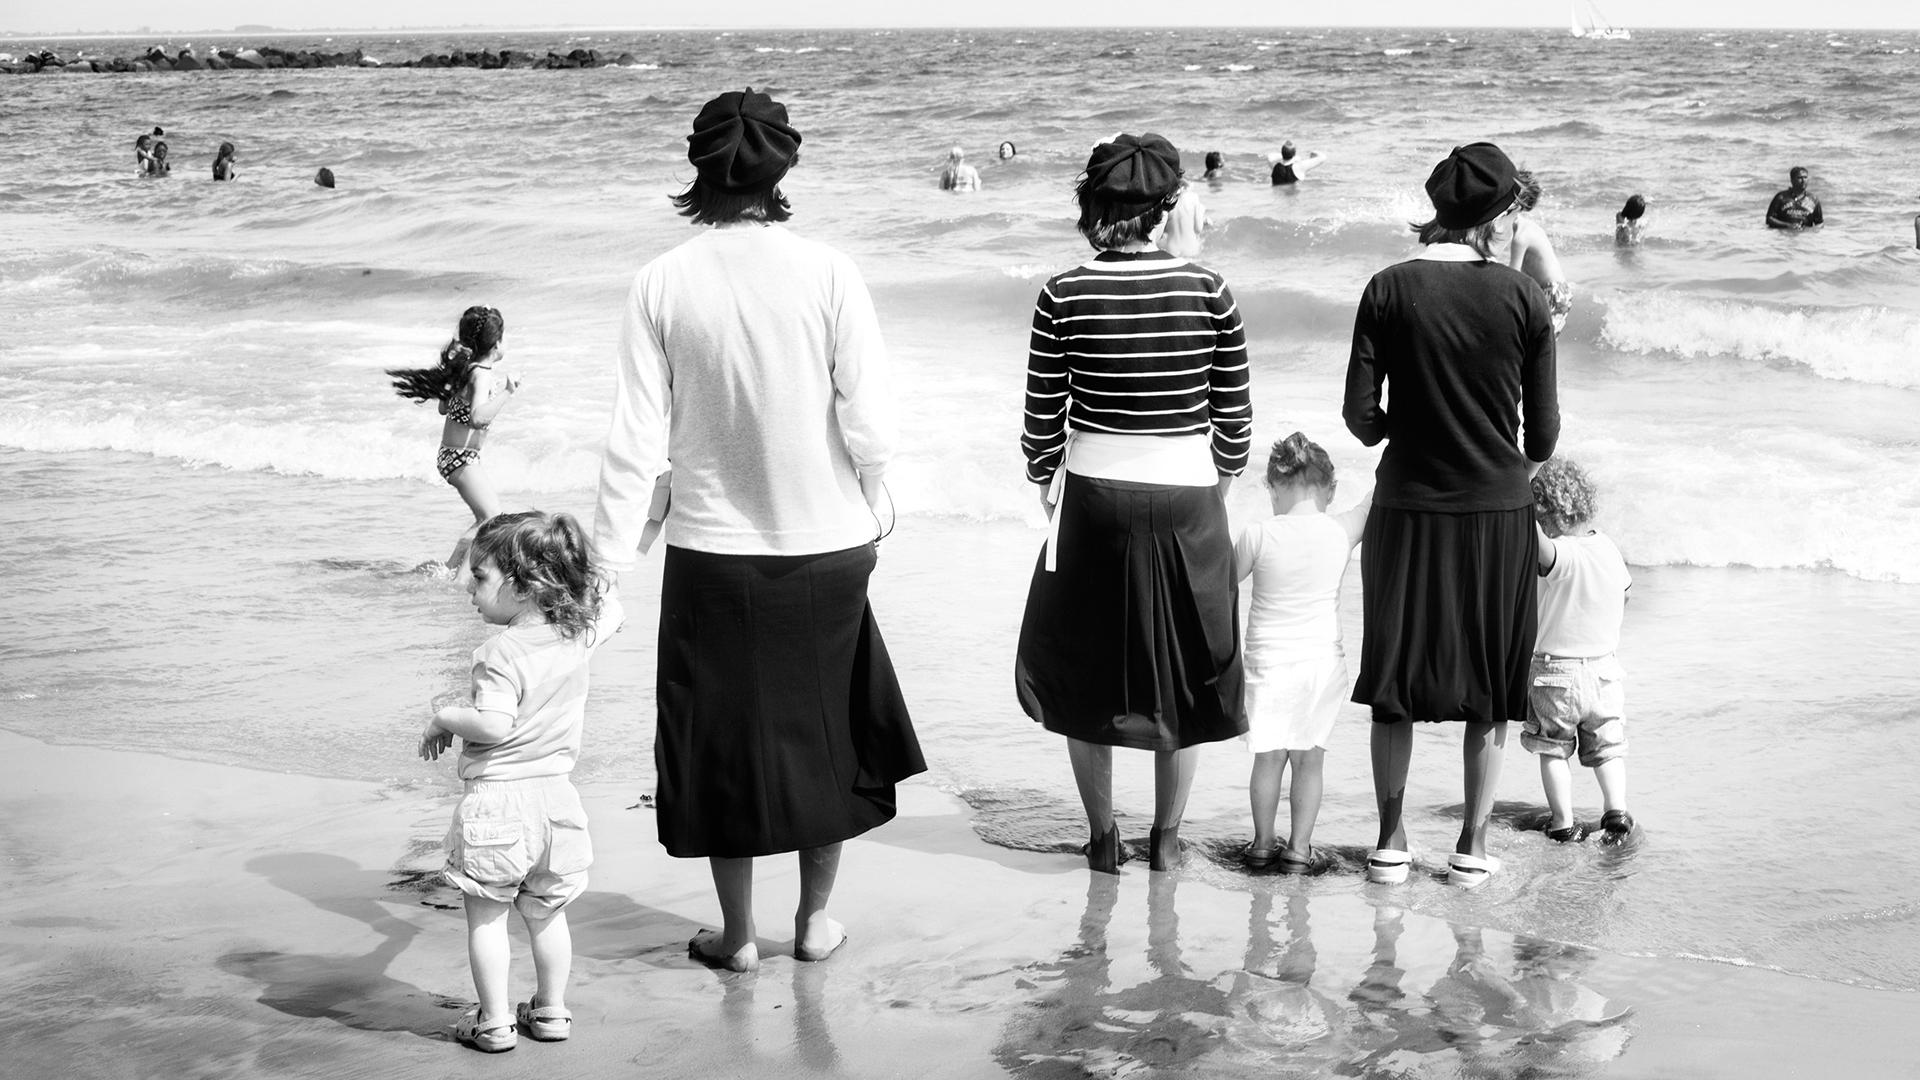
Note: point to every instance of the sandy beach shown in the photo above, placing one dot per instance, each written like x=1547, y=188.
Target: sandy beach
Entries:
x=226, y=626
x=225, y=922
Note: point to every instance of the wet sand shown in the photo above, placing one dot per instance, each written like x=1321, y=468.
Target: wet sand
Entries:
x=171, y=918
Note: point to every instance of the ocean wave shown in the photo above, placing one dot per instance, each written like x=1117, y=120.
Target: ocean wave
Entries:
x=536, y=459
x=1577, y=128
x=210, y=282
x=1867, y=344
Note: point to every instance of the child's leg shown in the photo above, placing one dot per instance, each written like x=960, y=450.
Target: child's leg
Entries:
x=488, y=955
x=1557, y=778
x=1263, y=790
x=1303, y=802
x=552, y=957
x=1612, y=775
x=470, y=480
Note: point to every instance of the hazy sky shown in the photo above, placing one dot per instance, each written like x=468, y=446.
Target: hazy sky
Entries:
x=45, y=16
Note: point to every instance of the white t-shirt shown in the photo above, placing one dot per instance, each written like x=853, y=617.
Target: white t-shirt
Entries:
x=1583, y=598
x=1298, y=561
x=540, y=677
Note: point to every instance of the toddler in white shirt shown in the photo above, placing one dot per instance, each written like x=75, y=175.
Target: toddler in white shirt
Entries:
x=1296, y=671
x=1578, y=693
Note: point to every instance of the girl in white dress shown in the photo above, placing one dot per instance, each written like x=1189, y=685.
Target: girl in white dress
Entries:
x=1296, y=670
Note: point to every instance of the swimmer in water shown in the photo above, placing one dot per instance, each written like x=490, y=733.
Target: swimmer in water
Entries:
x=1532, y=253
x=143, y=155
x=1289, y=168
x=1007, y=151
x=1795, y=208
x=157, y=165
x=1216, y=165
x=223, y=163
x=1627, y=223
x=959, y=176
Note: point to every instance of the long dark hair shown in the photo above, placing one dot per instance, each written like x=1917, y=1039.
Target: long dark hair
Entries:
x=545, y=557
x=480, y=331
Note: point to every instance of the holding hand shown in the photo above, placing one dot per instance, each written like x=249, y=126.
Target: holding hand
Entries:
x=434, y=741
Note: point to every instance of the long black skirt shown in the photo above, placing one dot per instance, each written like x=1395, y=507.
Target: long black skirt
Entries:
x=1449, y=614
x=1134, y=639
x=781, y=724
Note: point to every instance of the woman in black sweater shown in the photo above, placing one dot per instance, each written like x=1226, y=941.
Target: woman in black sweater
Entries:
x=1467, y=346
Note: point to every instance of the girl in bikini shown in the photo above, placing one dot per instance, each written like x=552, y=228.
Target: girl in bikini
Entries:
x=463, y=383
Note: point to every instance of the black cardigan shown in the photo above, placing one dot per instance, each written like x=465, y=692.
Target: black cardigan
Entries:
x=1463, y=345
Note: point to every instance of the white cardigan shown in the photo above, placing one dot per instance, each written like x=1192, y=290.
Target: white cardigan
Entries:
x=752, y=358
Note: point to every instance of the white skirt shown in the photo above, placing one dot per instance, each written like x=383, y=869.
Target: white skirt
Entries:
x=1292, y=705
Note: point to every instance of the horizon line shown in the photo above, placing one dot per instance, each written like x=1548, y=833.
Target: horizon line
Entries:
x=10, y=35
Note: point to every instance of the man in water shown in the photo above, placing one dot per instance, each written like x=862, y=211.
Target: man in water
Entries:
x=959, y=175
x=1795, y=208
x=1289, y=169
x=1216, y=165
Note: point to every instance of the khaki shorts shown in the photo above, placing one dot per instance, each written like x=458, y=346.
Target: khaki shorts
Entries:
x=1577, y=703
x=520, y=842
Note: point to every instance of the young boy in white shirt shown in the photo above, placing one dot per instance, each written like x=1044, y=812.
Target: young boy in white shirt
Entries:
x=1578, y=692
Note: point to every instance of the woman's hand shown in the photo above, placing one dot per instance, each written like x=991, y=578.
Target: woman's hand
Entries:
x=1045, y=506
x=1226, y=482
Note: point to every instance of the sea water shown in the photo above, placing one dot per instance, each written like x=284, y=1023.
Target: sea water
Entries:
x=216, y=514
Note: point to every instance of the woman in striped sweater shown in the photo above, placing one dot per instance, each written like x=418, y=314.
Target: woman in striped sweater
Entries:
x=1137, y=418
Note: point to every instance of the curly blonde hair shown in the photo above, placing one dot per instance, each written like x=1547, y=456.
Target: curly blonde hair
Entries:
x=545, y=557
x=1564, y=495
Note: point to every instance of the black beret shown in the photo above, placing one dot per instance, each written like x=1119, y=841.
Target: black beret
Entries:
x=1132, y=174
x=1472, y=186
x=742, y=143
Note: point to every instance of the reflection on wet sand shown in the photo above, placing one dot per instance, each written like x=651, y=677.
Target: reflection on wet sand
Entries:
x=1527, y=1014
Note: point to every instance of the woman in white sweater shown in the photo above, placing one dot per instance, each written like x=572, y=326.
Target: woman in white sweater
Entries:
x=752, y=359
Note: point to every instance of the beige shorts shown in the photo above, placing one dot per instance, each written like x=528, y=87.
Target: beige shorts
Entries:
x=1577, y=703
x=520, y=842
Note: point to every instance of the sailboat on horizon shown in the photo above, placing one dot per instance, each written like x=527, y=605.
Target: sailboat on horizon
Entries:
x=1595, y=26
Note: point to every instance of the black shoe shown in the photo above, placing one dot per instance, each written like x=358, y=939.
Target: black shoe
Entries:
x=1103, y=854
x=1617, y=823
x=1163, y=846
x=1572, y=834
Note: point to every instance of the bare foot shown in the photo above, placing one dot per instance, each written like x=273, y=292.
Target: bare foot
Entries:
x=818, y=939
x=705, y=948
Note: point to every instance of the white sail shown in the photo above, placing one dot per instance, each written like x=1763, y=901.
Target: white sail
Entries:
x=1595, y=26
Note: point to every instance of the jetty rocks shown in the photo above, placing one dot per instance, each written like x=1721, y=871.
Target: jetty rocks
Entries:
x=266, y=58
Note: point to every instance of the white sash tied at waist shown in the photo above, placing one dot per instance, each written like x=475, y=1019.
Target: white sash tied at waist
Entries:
x=1173, y=461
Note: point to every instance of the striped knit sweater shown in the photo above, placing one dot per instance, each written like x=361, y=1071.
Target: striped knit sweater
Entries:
x=1137, y=343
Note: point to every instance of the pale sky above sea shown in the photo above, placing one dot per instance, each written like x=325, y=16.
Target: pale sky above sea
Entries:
x=97, y=16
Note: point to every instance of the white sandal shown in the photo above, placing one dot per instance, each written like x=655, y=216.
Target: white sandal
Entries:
x=1471, y=871
x=1385, y=866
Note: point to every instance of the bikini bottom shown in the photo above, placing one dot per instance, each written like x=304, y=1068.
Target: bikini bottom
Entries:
x=452, y=459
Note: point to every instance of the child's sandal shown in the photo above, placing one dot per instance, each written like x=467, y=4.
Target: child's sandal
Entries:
x=547, y=1023
x=489, y=1036
x=1292, y=863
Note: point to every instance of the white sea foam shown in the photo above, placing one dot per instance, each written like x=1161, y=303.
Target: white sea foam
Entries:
x=1869, y=344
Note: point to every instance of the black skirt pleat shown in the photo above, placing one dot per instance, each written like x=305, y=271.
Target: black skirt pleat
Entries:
x=1134, y=639
x=1449, y=614
x=781, y=724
